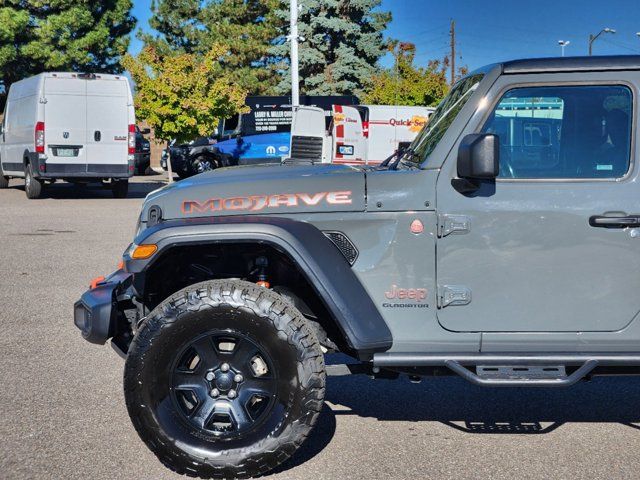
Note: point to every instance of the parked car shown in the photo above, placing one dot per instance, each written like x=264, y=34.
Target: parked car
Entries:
x=260, y=136
x=500, y=246
x=143, y=152
x=197, y=156
x=70, y=126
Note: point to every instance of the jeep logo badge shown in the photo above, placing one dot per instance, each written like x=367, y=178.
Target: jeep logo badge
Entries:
x=65, y=134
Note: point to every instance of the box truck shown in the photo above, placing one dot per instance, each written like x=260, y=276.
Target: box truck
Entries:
x=357, y=134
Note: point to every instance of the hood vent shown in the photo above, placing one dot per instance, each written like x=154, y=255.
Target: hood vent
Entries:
x=346, y=247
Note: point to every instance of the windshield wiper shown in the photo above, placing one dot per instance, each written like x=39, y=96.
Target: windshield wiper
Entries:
x=386, y=161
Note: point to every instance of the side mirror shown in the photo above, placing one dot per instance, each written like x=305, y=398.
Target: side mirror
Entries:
x=478, y=159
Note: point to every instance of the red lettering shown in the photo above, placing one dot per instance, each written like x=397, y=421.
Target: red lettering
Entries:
x=311, y=200
x=284, y=200
x=237, y=203
x=339, y=198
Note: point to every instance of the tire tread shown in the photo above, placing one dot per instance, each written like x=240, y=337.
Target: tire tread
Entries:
x=259, y=458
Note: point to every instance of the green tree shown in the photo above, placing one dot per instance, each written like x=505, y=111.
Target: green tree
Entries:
x=343, y=41
x=77, y=35
x=183, y=96
x=406, y=84
x=247, y=27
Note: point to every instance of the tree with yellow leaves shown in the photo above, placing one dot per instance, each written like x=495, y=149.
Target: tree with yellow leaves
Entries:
x=183, y=96
x=406, y=84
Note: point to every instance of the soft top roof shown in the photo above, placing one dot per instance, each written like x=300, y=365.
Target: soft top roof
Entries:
x=572, y=64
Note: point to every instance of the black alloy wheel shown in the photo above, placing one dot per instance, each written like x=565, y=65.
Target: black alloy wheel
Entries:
x=224, y=383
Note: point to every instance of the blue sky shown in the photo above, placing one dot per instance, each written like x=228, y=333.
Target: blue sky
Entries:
x=493, y=30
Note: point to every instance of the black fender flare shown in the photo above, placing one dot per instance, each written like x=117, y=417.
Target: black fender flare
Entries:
x=318, y=259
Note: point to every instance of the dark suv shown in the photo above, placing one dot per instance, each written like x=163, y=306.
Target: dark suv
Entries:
x=143, y=152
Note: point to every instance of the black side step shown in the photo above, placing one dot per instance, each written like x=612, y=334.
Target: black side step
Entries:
x=572, y=379
x=458, y=362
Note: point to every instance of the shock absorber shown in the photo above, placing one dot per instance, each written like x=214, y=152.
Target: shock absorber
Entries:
x=261, y=266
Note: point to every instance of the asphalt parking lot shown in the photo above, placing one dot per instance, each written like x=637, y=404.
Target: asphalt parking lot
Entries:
x=62, y=412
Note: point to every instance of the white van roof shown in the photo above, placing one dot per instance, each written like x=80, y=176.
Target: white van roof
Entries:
x=33, y=85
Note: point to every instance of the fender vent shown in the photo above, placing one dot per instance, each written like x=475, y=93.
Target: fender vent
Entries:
x=345, y=246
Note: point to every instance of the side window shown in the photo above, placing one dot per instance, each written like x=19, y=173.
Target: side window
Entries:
x=564, y=131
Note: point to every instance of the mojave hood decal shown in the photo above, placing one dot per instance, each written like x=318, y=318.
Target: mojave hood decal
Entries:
x=256, y=203
x=263, y=190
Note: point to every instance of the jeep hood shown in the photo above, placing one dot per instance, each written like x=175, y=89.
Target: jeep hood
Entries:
x=262, y=190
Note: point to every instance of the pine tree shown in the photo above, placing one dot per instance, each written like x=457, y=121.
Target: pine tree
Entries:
x=246, y=27
x=76, y=35
x=343, y=41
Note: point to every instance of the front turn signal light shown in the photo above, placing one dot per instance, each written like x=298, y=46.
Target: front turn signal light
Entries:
x=142, y=252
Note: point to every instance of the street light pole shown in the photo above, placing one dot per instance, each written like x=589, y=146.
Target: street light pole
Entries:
x=563, y=43
x=592, y=38
x=293, y=38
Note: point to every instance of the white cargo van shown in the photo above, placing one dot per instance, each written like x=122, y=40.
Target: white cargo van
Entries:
x=358, y=135
x=71, y=126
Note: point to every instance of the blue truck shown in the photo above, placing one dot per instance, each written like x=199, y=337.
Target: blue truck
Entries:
x=259, y=136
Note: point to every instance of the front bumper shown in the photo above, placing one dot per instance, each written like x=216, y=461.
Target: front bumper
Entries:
x=96, y=313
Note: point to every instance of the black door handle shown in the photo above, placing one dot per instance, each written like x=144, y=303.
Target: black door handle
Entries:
x=615, y=222
x=97, y=135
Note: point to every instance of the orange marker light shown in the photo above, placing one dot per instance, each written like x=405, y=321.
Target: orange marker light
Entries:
x=143, y=252
x=94, y=283
x=121, y=265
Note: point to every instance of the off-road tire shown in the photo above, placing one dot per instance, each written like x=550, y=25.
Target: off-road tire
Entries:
x=202, y=158
x=120, y=188
x=4, y=181
x=32, y=186
x=276, y=326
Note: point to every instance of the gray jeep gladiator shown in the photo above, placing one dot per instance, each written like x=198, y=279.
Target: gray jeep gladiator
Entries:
x=502, y=246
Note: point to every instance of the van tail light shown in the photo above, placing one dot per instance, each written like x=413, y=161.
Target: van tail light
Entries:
x=132, y=139
x=39, y=140
x=365, y=129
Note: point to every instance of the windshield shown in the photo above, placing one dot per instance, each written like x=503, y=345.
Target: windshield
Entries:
x=439, y=122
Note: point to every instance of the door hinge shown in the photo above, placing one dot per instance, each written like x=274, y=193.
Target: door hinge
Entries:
x=453, y=295
x=43, y=100
x=448, y=224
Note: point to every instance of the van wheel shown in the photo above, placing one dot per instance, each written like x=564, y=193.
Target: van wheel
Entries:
x=224, y=379
x=32, y=186
x=4, y=181
x=120, y=188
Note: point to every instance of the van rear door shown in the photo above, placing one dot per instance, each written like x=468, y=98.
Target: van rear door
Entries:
x=107, y=125
x=65, y=119
x=350, y=143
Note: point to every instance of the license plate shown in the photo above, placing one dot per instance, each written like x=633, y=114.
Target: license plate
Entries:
x=345, y=149
x=66, y=152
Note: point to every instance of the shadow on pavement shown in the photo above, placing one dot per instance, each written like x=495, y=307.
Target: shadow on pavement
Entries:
x=471, y=409
x=320, y=437
x=69, y=191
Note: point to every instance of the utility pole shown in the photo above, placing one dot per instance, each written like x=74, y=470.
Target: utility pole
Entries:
x=293, y=38
x=452, y=32
x=592, y=38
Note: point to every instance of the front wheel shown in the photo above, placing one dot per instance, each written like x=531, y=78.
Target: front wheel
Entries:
x=224, y=380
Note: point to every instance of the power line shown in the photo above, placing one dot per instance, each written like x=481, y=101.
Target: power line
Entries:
x=621, y=45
